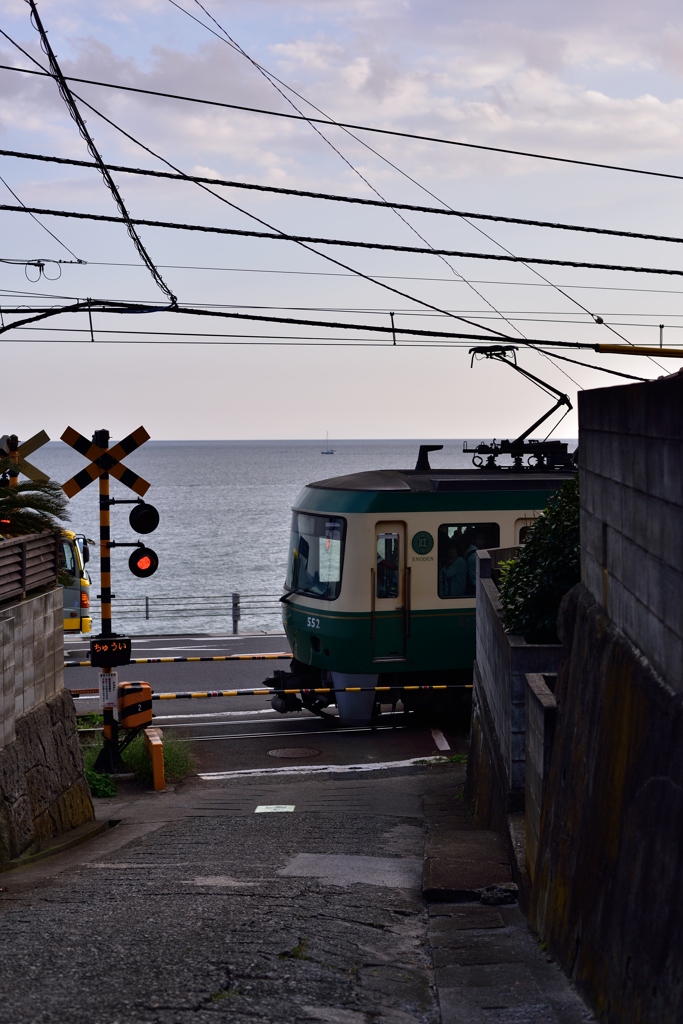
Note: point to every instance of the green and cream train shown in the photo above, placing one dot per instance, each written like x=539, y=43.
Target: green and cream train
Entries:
x=381, y=579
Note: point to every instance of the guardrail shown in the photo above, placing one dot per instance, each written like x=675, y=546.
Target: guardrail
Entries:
x=231, y=608
x=27, y=563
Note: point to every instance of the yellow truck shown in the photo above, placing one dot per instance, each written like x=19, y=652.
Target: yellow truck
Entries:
x=74, y=553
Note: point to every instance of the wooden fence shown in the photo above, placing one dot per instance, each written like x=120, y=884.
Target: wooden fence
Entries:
x=27, y=563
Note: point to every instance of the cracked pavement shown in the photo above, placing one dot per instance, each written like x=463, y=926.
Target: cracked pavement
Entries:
x=182, y=913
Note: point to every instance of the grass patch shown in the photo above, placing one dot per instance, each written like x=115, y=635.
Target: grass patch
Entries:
x=439, y=759
x=178, y=762
x=90, y=721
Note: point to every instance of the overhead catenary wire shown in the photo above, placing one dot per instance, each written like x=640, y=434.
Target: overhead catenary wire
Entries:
x=355, y=127
x=75, y=114
x=136, y=308
x=283, y=236
x=304, y=343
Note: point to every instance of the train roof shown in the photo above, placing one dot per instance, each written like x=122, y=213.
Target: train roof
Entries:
x=396, y=490
x=440, y=480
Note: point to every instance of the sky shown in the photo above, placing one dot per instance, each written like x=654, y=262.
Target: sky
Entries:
x=599, y=81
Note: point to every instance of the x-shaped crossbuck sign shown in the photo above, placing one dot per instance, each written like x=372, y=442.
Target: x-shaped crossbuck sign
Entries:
x=27, y=448
x=105, y=460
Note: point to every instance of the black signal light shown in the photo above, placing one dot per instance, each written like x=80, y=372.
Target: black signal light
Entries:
x=143, y=562
x=143, y=518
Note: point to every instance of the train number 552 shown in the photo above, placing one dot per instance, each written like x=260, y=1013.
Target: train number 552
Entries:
x=312, y=622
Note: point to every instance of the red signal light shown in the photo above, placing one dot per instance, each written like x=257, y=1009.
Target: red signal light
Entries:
x=143, y=562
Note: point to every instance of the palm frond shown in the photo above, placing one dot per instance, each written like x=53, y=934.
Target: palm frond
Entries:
x=32, y=508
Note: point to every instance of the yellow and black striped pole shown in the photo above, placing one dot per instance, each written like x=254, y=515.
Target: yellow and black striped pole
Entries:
x=13, y=444
x=108, y=757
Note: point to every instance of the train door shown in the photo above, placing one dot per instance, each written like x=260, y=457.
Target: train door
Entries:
x=389, y=588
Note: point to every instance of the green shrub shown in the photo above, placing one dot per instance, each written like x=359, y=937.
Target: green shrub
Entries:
x=533, y=584
x=178, y=762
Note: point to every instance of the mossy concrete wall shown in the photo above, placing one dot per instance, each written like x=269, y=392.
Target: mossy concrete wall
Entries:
x=607, y=881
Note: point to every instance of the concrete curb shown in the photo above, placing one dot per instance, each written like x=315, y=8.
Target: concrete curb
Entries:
x=59, y=845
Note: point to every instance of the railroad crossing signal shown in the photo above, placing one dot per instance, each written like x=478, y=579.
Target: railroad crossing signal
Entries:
x=105, y=460
x=110, y=649
x=9, y=443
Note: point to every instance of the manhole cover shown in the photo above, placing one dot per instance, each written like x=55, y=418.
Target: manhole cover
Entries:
x=294, y=752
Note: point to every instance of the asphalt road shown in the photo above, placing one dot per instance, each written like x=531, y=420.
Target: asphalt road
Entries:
x=240, y=733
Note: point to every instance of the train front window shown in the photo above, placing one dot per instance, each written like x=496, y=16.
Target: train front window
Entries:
x=458, y=546
x=316, y=555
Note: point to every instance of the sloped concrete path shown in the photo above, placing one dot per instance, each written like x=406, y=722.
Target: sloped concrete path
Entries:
x=196, y=908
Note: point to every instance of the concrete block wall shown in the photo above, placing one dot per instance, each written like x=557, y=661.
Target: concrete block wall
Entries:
x=631, y=482
x=501, y=665
x=31, y=657
x=541, y=714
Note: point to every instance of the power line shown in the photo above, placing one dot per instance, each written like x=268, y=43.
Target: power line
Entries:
x=234, y=206
x=58, y=240
x=354, y=200
x=393, y=277
x=345, y=124
x=75, y=113
x=309, y=239
x=273, y=79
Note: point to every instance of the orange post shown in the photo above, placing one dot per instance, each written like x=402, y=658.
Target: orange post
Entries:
x=155, y=751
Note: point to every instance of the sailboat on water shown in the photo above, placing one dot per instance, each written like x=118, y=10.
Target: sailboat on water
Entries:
x=327, y=450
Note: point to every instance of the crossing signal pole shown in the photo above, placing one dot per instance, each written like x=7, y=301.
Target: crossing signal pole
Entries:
x=109, y=650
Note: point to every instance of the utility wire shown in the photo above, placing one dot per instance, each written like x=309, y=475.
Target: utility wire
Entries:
x=273, y=79
x=58, y=240
x=276, y=83
x=397, y=277
x=343, y=124
x=234, y=206
x=68, y=98
x=383, y=246
x=355, y=200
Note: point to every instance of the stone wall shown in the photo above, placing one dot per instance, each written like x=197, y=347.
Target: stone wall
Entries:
x=631, y=452
x=31, y=656
x=606, y=892
x=43, y=791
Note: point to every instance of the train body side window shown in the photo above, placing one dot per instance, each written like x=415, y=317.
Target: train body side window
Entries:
x=458, y=546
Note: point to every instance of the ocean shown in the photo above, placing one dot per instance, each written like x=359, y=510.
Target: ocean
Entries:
x=225, y=510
